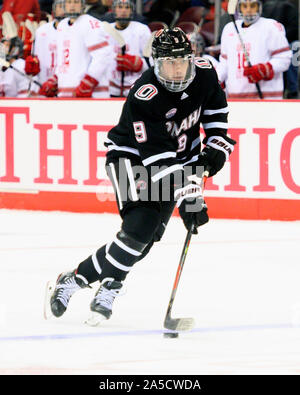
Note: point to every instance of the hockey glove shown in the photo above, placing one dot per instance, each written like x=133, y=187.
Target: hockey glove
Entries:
x=49, y=88
x=216, y=152
x=192, y=207
x=129, y=63
x=32, y=65
x=86, y=86
x=258, y=72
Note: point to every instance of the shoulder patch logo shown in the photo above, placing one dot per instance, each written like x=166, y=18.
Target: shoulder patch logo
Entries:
x=146, y=92
x=203, y=63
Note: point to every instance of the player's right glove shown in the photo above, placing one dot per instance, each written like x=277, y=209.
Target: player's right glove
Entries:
x=86, y=86
x=50, y=87
x=258, y=72
x=129, y=62
x=32, y=65
x=216, y=152
x=192, y=207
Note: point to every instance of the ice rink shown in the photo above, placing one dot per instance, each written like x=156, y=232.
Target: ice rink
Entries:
x=241, y=283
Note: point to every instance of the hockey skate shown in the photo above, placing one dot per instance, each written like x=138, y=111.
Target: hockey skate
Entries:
x=58, y=295
x=101, y=305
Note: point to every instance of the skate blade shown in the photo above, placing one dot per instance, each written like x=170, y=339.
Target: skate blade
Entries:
x=50, y=286
x=95, y=319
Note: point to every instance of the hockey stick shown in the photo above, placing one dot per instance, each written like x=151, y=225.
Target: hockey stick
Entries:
x=9, y=26
x=181, y=324
x=147, y=51
x=120, y=40
x=5, y=63
x=231, y=11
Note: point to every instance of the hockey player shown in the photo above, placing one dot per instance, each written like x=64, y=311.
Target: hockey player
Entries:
x=198, y=46
x=84, y=56
x=130, y=64
x=268, y=51
x=158, y=132
x=15, y=84
x=43, y=61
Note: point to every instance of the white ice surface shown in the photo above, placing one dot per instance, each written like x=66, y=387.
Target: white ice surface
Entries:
x=241, y=283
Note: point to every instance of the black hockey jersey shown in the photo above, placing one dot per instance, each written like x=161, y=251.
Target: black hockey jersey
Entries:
x=161, y=128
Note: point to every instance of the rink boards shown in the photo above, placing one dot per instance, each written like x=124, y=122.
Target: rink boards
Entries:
x=52, y=157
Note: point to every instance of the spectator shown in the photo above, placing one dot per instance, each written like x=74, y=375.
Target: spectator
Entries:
x=131, y=64
x=164, y=10
x=268, y=50
x=286, y=13
x=46, y=5
x=21, y=7
x=95, y=8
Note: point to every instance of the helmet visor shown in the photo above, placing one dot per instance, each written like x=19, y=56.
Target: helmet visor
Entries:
x=175, y=73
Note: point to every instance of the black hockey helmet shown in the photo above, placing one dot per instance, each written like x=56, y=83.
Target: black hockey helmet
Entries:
x=173, y=56
x=14, y=48
x=171, y=43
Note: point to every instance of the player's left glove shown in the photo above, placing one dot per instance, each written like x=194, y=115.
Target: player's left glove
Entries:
x=258, y=72
x=32, y=65
x=86, y=86
x=192, y=207
x=129, y=63
x=216, y=152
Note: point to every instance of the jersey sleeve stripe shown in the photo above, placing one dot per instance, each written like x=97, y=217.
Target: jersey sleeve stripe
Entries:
x=123, y=148
x=98, y=46
x=116, y=185
x=133, y=191
x=280, y=50
x=165, y=172
x=155, y=158
x=210, y=125
x=223, y=110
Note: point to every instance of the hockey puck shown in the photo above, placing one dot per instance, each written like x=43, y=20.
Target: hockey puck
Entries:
x=171, y=335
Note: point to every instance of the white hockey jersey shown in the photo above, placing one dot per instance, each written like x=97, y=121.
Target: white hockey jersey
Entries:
x=265, y=41
x=136, y=36
x=45, y=49
x=13, y=84
x=83, y=48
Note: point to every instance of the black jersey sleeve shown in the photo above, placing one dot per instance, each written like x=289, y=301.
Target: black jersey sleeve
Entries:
x=156, y=147
x=214, y=116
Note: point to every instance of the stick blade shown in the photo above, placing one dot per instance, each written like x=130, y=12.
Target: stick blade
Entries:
x=9, y=26
x=232, y=7
x=114, y=33
x=179, y=324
